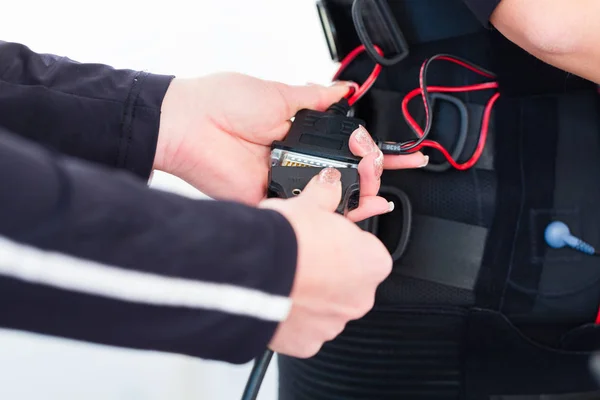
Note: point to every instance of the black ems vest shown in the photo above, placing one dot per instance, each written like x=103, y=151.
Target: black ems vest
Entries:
x=477, y=306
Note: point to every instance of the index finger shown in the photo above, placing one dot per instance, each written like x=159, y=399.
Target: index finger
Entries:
x=405, y=161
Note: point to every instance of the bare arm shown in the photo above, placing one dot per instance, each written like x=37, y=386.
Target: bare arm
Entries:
x=563, y=33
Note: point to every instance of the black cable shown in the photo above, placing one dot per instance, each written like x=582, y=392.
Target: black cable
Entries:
x=462, y=133
x=413, y=145
x=406, y=147
x=257, y=375
x=427, y=97
x=342, y=107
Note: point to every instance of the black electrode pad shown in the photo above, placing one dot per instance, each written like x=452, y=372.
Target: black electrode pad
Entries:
x=458, y=252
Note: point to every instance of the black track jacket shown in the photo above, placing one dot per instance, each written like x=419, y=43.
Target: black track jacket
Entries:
x=89, y=252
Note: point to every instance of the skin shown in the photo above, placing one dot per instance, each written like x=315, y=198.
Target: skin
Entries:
x=562, y=33
x=215, y=133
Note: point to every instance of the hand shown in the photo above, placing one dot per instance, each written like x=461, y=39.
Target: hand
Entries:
x=216, y=132
x=336, y=275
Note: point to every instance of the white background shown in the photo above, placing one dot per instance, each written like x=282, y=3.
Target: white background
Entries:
x=272, y=39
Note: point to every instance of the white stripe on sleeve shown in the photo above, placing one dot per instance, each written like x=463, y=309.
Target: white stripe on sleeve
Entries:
x=79, y=275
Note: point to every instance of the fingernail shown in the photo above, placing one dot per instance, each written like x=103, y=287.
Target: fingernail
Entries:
x=329, y=176
x=379, y=164
x=391, y=206
x=351, y=86
x=425, y=162
x=342, y=83
x=364, y=140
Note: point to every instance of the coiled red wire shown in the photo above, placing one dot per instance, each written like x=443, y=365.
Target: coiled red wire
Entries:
x=359, y=91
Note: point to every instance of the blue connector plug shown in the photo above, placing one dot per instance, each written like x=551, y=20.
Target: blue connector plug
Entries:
x=558, y=235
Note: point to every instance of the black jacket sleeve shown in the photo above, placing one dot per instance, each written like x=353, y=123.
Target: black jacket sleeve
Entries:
x=91, y=111
x=483, y=9
x=93, y=254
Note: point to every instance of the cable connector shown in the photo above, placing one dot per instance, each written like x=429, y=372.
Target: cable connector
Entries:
x=341, y=108
x=316, y=140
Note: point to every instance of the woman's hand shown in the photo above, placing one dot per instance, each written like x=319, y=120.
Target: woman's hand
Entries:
x=216, y=133
x=338, y=271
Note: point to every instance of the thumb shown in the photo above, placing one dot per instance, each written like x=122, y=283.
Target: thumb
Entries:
x=324, y=190
x=314, y=97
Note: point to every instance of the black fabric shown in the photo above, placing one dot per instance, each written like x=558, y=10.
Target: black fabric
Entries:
x=557, y=182
x=91, y=111
x=536, y=158
x=483, y=9
x=424, y=21
x=457, y=256
x=400, y=289
x=582, y=338
x=501, y=360
x=392, y=353
x=525, y=158
x=435, y=353
x=571, y=396
x=576, y=197
x=467, y=197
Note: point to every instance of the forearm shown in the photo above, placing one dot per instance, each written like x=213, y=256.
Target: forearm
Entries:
x=91, y=111
x=95, y=255
x=562, y=33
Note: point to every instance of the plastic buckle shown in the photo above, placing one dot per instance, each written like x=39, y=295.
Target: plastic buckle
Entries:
x=376, y=25
x=403, y=210
x=463, y=130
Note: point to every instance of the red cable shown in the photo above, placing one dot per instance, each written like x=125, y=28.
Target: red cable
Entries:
x=354, y=95
x=480, y=145
x=467, y=66
x=421, y=90
x=486, y=117
x=443, y=89
x=357, y=92
x=484, y=124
